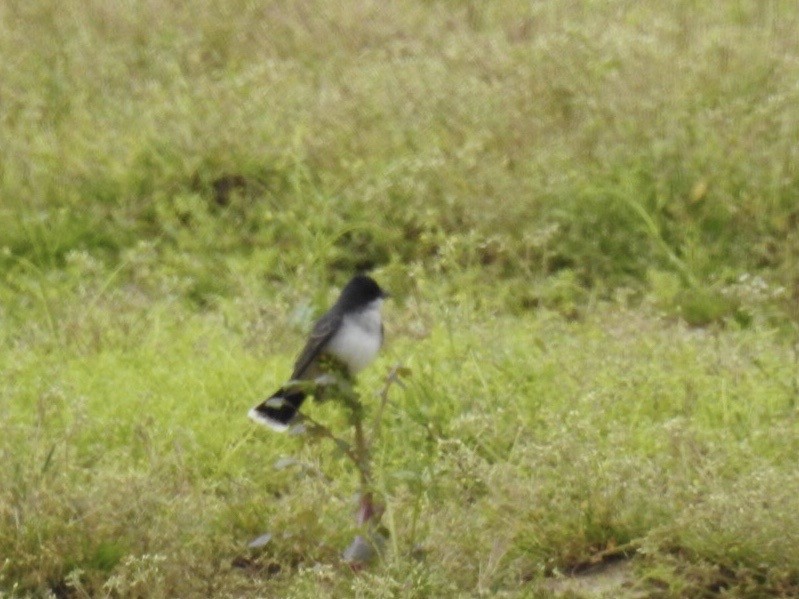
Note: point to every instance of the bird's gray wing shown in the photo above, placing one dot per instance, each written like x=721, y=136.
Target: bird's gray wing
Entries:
x=321, y=333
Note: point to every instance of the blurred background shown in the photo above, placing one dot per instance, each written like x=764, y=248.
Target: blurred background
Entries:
x=557, y=151
x=587, y=213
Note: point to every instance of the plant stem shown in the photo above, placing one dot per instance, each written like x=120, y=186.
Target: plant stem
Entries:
x=392, y=377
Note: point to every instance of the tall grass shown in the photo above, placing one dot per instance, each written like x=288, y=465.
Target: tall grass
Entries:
x=523, y=138
x=130, y=468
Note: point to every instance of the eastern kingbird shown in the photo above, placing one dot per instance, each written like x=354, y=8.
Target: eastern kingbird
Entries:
x=351, y=332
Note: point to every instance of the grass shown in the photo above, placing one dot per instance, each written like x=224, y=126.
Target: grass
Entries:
x=543, y=442
x=586, y=212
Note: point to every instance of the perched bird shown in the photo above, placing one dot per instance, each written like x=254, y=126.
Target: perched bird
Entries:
x=351, y=333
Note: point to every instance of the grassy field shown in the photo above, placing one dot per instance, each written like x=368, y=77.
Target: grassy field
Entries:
x=587, y=212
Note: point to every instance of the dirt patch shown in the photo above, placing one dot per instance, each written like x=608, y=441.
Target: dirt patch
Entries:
x=607, y=579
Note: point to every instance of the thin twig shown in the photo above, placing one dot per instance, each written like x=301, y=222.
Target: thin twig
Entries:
x=392, y=377
x=362, y=451
x=316, y=428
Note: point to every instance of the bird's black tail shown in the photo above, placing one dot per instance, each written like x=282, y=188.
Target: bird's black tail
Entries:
x=278, y=411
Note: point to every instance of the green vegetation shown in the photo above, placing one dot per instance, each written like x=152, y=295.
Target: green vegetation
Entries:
x=588, y=213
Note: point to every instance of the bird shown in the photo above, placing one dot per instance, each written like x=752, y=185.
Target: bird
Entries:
x=350, y=332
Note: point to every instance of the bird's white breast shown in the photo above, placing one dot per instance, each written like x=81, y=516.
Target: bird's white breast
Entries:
x=359, y=338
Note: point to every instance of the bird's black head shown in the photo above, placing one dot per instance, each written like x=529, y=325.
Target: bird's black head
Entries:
x=359, y=292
